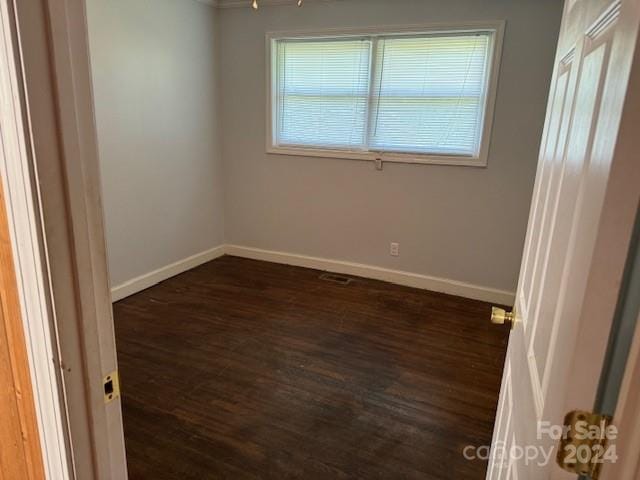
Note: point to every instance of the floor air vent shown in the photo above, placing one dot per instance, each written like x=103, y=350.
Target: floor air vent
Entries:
x=335, y=278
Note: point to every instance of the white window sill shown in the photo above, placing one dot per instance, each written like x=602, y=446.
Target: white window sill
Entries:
x=458, y=160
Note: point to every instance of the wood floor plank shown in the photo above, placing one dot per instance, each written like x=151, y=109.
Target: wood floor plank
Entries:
x=241, y=369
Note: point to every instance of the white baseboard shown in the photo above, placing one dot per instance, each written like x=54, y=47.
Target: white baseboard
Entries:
x=149, y=279
x=415, y=280
x=443, y=285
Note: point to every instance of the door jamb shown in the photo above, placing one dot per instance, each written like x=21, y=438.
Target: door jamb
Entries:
x=23, y=218
x=58, y=103
x=627, y=419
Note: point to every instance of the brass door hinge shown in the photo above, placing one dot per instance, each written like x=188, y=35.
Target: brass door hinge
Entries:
x=111, y=384
x=583, y=445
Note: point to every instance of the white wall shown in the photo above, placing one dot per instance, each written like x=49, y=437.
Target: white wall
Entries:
x=460, y=223
x=178, y=181
x=154, y=72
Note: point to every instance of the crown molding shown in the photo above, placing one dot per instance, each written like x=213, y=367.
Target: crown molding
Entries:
x=263, y=3
x=247, y=3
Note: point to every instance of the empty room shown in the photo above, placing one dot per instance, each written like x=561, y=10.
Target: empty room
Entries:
x=322, y=239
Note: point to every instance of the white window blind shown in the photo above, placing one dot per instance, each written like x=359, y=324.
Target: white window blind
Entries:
x=429, y=94
x=323, y=90
x=407, y=94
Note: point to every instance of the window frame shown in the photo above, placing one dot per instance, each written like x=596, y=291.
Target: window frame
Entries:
x=496, y=28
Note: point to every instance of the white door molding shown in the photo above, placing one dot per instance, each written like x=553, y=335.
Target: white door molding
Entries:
x=32, y=276
x=55, y=59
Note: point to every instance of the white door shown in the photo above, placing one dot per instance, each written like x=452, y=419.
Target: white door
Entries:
x=571, y=251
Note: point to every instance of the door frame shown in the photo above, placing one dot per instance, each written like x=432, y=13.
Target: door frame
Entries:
x=66, y=277
x=28, y=255
x=627, y=418
x=619, y=386
x=57, y=183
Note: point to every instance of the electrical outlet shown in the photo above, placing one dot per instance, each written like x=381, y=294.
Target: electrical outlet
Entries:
x=394, y=249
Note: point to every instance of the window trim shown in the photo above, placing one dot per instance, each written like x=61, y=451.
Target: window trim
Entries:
x=496, y=27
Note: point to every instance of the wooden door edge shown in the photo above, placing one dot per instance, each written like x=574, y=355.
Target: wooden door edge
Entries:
x=11, y=318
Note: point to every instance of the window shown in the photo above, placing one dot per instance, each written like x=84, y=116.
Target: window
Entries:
x=409, y=97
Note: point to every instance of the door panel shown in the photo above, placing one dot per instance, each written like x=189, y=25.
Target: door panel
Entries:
x=569, y=203
x=557, y=114
x=563, y=229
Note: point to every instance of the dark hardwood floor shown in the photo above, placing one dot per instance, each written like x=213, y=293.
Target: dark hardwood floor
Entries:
x=241, y=369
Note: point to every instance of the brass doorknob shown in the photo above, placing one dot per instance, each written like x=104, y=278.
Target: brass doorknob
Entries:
x=500, y=316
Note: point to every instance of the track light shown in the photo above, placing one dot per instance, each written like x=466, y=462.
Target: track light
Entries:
x=254, y=4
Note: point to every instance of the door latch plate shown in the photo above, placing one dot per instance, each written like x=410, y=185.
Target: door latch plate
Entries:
x=111, y=384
